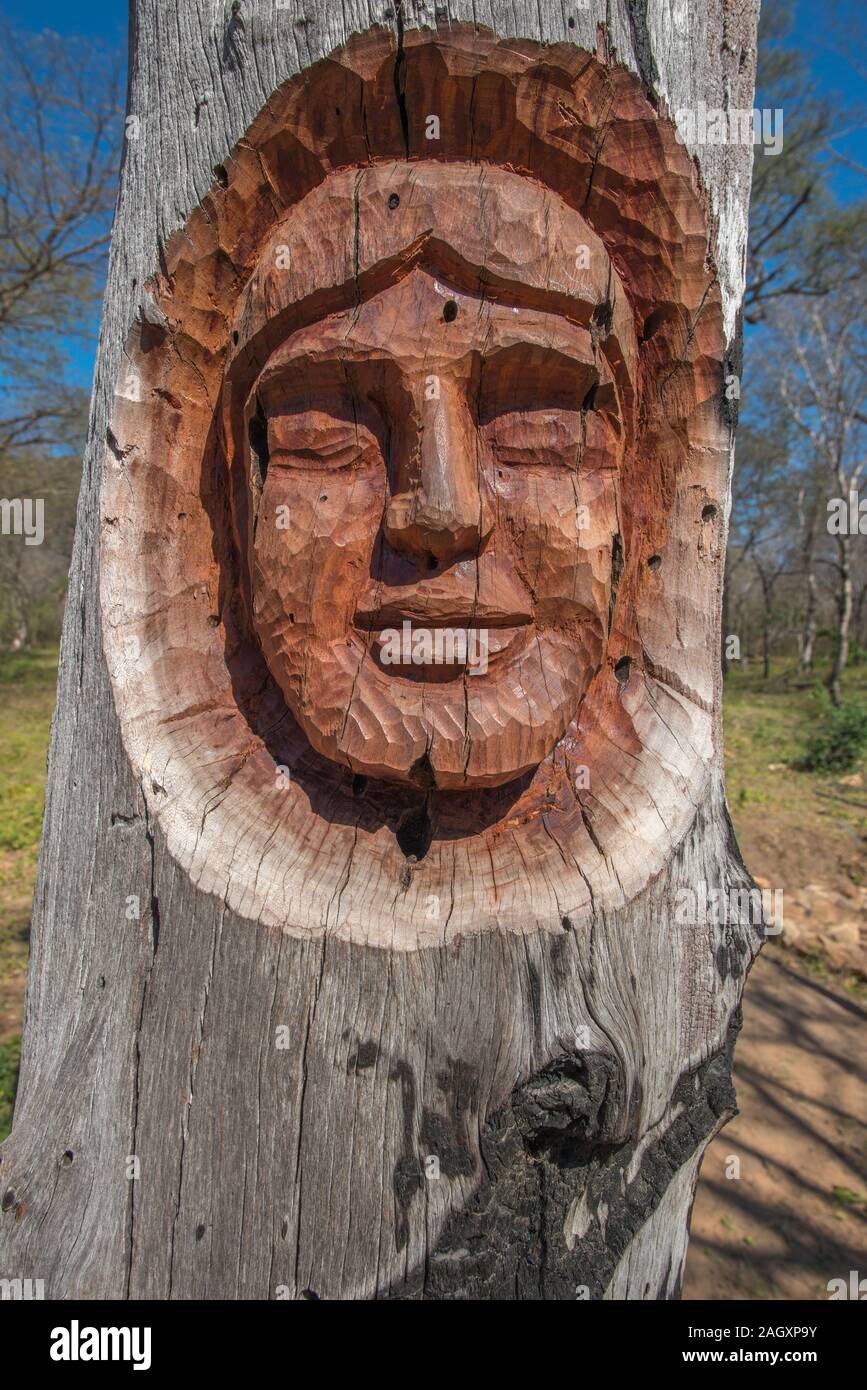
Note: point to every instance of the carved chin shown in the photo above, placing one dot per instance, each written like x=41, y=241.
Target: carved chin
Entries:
x=473, y=730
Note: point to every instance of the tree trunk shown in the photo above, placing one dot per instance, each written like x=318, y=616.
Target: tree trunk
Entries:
x=314, y=1010
x=766, y=632
x=844, y=619
x=858, y=620
x=809, y=629
x=767, y=587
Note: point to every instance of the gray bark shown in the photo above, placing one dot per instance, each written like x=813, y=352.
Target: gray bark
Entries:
x=845, y=604
x=270, y=1173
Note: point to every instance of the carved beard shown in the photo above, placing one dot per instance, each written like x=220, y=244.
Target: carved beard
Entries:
x=469, y=731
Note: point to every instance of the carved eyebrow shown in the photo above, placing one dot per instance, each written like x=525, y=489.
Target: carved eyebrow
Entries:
x=428, y=253
x=530, y=351
x=529, y=375
x=566, y=344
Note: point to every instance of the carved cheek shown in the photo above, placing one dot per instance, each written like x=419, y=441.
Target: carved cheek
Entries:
x=314, y=540
x=538, y=511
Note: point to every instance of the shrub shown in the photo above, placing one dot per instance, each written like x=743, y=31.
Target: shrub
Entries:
x=838, y=740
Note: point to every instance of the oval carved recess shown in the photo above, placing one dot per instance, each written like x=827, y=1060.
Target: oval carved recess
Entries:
x=385, y=384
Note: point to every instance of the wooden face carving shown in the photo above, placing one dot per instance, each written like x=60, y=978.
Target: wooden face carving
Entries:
x=411, y=518
x=427, y=585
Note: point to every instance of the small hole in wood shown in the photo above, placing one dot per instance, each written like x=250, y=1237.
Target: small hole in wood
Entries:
x=414, y=834
x=67, y=1158
x=394, y=201
x=652, y=324
x=200, y=1231
x=257, y=432
x=654, y=562
x=310, y=1294
x=571, y=21
x=621, y=670
x=566, y=923
x=235, y=337
x=221, y=175
x=709, y=512
x=603, y=316
x=450, y=311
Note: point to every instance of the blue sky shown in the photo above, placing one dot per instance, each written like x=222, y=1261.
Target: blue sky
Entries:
x=72, y=17
x=814, y=30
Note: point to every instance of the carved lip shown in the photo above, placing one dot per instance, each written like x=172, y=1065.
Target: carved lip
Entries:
x=434, y=615
x=487, y=647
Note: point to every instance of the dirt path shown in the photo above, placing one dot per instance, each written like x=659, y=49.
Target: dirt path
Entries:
x=797, y=1215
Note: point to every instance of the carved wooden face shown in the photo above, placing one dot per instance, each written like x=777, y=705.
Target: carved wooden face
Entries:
x=433, y=473
x=414, y=470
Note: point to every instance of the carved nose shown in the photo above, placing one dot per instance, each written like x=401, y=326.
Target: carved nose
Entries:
x=441, y=512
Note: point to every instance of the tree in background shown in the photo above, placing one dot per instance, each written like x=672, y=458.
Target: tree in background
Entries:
x=787, y=581
x=823, y=380
x=797, y=228
x=58, y=173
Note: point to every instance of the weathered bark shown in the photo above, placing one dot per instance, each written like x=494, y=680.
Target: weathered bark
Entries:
x=809, y=625
x=808, y=632
x=860, y=611
x=322, y=1098
x=845, y=604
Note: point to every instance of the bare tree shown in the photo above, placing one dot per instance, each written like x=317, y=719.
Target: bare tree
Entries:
x=824, y=384
x=58, y=172
x=58, y=175
x=808, y=517
x=799, y=235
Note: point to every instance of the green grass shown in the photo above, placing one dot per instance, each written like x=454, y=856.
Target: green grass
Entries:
x=9, y=1056
x=27, y=683
x=847, y=1197
x=767, y=726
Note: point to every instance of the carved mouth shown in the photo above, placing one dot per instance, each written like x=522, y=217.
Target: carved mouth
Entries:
x=436, y=653
x=431, y=612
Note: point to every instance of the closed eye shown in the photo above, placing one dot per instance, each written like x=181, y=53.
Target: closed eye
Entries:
x=549, y=438
x=315, y=440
